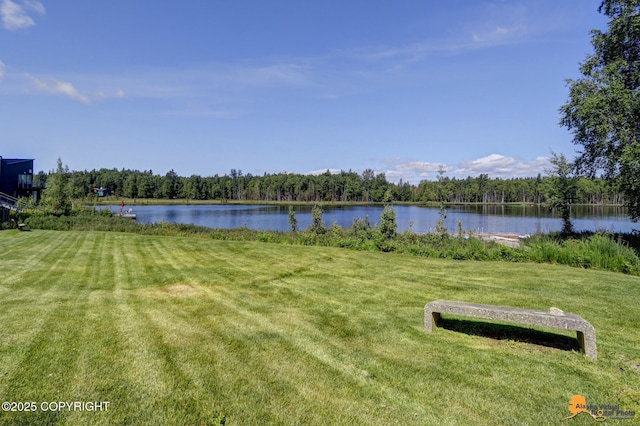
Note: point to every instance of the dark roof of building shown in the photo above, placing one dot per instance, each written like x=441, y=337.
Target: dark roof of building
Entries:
x=16, y=160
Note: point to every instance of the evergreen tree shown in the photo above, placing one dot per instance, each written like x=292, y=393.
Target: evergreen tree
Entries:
x=317, y=225
x=388, y=224
x=293, y=220
x=562, y=189
x=57, y=195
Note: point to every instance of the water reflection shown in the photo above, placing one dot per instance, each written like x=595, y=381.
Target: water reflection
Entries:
x=482, y=218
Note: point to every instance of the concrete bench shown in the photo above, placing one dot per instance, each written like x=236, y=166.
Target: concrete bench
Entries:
x=554, y=318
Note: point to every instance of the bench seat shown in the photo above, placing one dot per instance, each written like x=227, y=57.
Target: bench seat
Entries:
x=554, y=318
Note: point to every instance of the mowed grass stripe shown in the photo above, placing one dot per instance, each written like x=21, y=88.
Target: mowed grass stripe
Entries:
x=255, y=327
x=50, y=353
x=102, y=365
x=180, y=330
x=142, y=368
x=33, y=305
x=24, y=264
x=236, y=340
x=236, y=325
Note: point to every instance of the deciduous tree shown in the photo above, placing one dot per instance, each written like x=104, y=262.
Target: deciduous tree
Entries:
x=603, y=109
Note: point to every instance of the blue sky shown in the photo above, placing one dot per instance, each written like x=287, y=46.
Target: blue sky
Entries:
x=204, y=86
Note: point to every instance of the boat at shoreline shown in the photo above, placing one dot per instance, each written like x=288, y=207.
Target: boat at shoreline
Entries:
x=127, y=213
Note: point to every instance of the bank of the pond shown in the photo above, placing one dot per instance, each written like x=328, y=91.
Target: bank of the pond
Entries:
x=112, y=200
x=517, y=219
x=606, y=251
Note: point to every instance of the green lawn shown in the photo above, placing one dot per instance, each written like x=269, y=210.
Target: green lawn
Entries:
x=173, y=330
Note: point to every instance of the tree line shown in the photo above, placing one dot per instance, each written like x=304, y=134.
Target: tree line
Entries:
x=602, y=112
x=345, y=186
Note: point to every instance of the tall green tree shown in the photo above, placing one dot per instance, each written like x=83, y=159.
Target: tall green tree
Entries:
x=562, y=189
x=388, y=222
x=171, y=185
x=443, y=196
x=317, y=224
x=603, y=109
x=293, y=220
x=130, y=186
x=57, y=195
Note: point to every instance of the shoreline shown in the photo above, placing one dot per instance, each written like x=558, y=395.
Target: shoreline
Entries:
x=106, y=201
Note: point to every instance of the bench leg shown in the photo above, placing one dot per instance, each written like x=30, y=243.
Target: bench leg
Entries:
x=587, y=341
x=431, y=320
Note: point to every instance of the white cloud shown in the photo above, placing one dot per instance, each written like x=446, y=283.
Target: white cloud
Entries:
x=491, y=162
x=532, y=168
x=495, y=25
x=218, y=82
x=495, y=165
x=54, y=86
x=15, y=16
x=322, y=171
x=412, y=171
x=35, y=6
x=502, y=24
x=394, y=175
x=2, y=71
x=499, y=34
x=420, y=167
x=63, y=86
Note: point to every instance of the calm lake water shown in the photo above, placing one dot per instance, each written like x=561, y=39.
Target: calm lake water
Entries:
x=515, y=219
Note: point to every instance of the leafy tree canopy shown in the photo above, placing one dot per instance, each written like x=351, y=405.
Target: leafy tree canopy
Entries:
x=603, y=109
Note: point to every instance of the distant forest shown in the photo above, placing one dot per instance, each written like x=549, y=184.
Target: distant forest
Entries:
x=327, y=187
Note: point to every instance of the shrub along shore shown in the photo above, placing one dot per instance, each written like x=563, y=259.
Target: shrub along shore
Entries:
x=602, y=251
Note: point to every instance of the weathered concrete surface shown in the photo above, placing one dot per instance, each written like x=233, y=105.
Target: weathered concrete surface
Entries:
x=507, y=239
x=554, y=318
